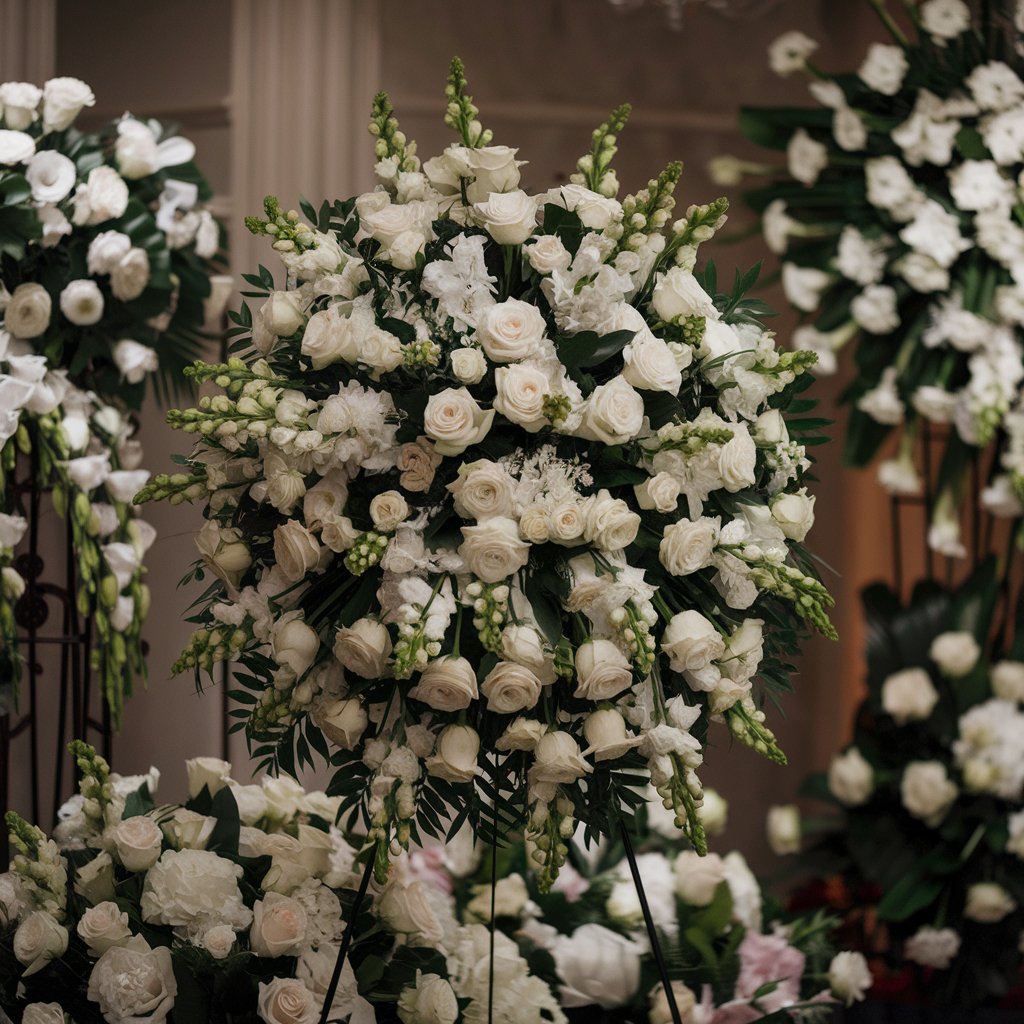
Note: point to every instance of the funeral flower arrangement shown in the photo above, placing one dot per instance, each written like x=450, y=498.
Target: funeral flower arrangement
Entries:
x=733, y=957
x=106, y=257
x=229, y=908
x=930, y=796
x=897, y=221
x=502, y=506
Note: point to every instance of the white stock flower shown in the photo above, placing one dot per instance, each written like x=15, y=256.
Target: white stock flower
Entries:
x=789, y=52
x=806, y=157
x=804, y=285
x=884, y=68
x=851, y=779
x=849, y=977
x=909, y=695
x=932, y=947
x=28, y=310
x=927, y=791
x=955, y=653
x=945, y=19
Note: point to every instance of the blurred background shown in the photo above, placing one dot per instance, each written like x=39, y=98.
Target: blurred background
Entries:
x=276, y=95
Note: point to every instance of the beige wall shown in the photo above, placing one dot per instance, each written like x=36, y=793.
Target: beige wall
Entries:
x=544, y=73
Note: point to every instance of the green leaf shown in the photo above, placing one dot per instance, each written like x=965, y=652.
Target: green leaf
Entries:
x=588, y=348
x=909, y=895
x=138, y=803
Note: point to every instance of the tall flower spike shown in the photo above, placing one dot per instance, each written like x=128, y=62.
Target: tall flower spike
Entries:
x=391, y=142
x=594, y=168
x=461, y=113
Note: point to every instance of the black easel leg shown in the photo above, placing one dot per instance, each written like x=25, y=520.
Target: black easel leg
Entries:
x=346, y=941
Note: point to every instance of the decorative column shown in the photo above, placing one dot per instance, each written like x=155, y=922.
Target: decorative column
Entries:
x=28, y=40
x=304, y=74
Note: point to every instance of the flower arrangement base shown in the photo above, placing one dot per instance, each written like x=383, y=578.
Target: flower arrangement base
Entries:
x=56, y=640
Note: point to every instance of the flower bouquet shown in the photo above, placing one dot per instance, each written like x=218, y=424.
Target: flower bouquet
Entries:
x=230, y=908
x=502, y=504
x=106, y=256
x=897, y=220
x=929, y=795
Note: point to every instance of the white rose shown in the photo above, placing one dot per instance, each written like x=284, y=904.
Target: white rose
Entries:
x=803, y=285
x=691, y=641
x=594, y=210
x=38, y=940
x=597, y=965
x=605, y=732
x=884, y=68
x=651, y=365
x=932, y=947
x=447, y=684
x=548, y=254
x=328, y=338
x=283, y=313
x=491, y=168
x=909, y=695
x=185, y=886
x=602, y=670
x=660, y=492
x=737, y=459
x=134, y=360
x=521, y=391
x=510, y=687
x=522, y=734
x=689, y=545
x=510, y=331
x=135, y=149
x=52, y=176
x=15, y=147
x=343, y=722
x=493, y=550
x=988, y=903
x=296, y=550
x=849, y=977
x=63, y=100
x=138, y=842
x=784, y=829
x=697, y=878
x=380, y=351
x=955, y=653
x=278, y=926
x=387, y=510
x=744, y=889
x=713, y=813
x=405, y=907
x=1008, y=680
x=223, y=551
x=469, y=365
x=453, y=421
x=19, y=102
x=677, y=294
x=103, y=926
x=218, y=941
x=363, y=648
x=129, y=278
x=483, y=489
x=558, y=759
x=391, y=221
x=134, y=983
x=430, y=1001
x=794, y=513
x=534, y=525
x=43, y=1013
x=455, y=754
x=851, y=779
x=211, y=772
x=613, y=414
x=28, y=311
x=609, y=523
x=927, y=791
x=102, y=196
x=508, y=217
x=187, y=830
x=82, y=302
x=287, y=1001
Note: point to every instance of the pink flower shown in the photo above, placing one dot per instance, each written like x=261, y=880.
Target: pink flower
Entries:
x=765, y=958
x=570, y=883
x=427, y=865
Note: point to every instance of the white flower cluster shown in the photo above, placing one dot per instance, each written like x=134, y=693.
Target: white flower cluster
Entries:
x=82, y=202
x=911, y=243
x=504, y=446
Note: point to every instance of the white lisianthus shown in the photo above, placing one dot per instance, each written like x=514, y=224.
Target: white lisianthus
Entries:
x=804, y=285
x=806, y=157
x=19, y=102
x=789, y=52
x=453, y=420
x=81, y=302
x=493, y=550
x=909, y=695
x=784, y=830
x=63, y=100
x=602, y=670
x=15, y=147
x=508, y=217
x=52, y=176
x=849, y=977
x=28, y=310
x=101, y=197
x=884, y=68
x=988, y=903
x=955, y=653
x=363, y=648
x=851, y=779
x=447, y=684
x=927, y=791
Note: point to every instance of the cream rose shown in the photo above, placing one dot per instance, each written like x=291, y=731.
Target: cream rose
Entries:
x=602, y=670
x=483, y=489
x=430, y=1001
x=927, y=791
x=63, y=100
x=794, y=513
x=43, y=1013
x=455, y=754
x=287, y=1001
x=594, y=210
x=909, y=695
x=447, y=684
x=508, y=217
x=660, y=492
x=343, y=722
x=453, y=421
x=293, y=644
x=329, y=338
x=103, y=926
x=417, y=462
x=28, y=311
x=605, y=732
x=491, y=168
x=534, y=526
x=697, y=878
x=296, y=550
x=677, y=294
x=138, y=842
x=557, y=759
x=38, y=940
x=82, y=302
x=387, y=510
x=609, y=523
x=691, y=641
x=689, y=545
x=649, y=364
x=955, y=653
x=134, y=983
x=510, y=331
x=278, y=926
x=363, y=648
x=522, y=734
x=493, y=550
x=224, y=552
x=521, y=390
x=566, y=523
x=469, y=365
x=211, y=772
x=510, y=687
x=548, y=254
x=988, y=903
x=851, y=779
x=613, y=414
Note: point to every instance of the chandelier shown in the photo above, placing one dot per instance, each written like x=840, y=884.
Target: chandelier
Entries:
x=674, y=8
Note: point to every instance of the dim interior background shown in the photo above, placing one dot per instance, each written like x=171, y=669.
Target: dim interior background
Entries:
x=276, y=95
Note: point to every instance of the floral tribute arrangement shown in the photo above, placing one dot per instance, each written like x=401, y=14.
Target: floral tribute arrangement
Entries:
x=897, y=220
x=231, y=907
x=502, y=506
x=106, y=261
x=930, y=796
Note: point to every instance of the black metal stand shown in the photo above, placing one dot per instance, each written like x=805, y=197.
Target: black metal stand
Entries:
x=75, y=718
